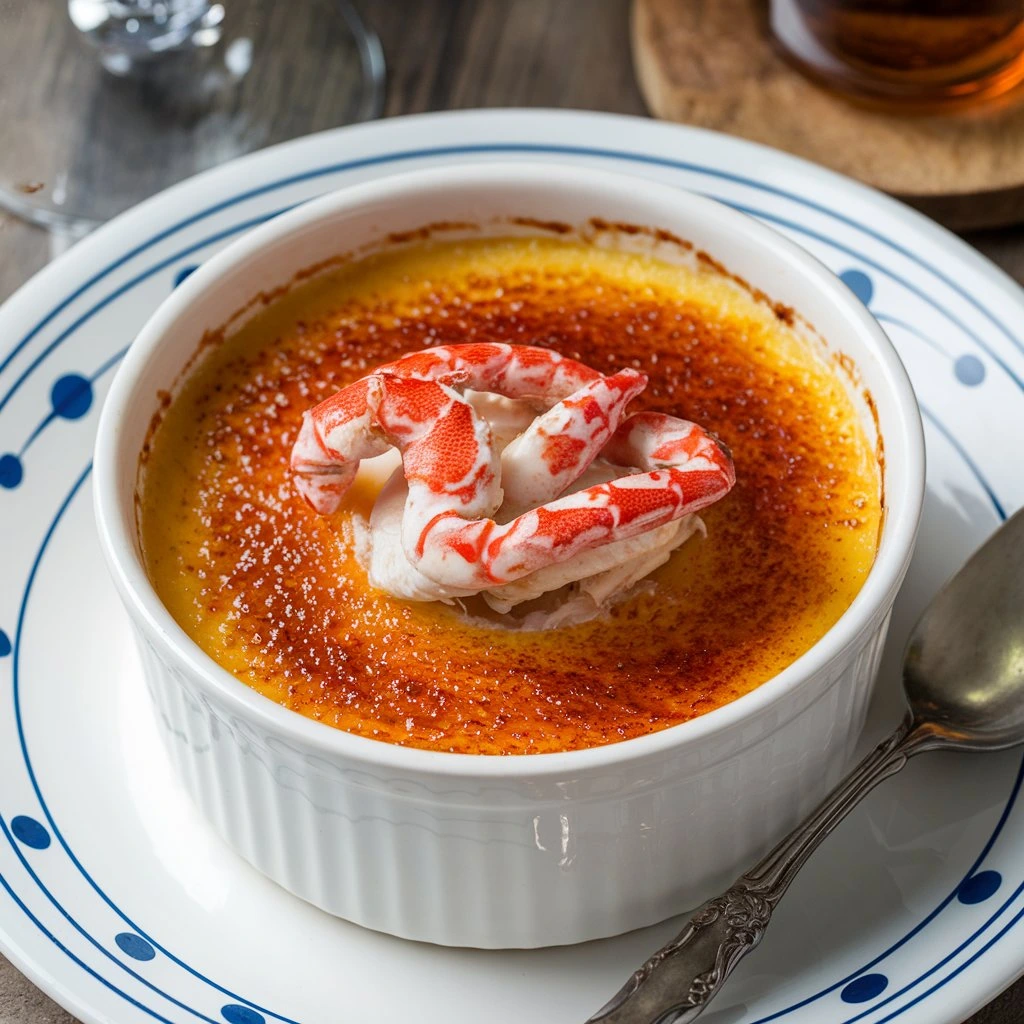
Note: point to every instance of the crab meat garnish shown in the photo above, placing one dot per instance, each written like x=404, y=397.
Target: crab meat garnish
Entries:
x=474, y=513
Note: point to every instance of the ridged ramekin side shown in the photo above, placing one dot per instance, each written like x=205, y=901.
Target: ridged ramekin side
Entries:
x=509, y=863
x=513, y=851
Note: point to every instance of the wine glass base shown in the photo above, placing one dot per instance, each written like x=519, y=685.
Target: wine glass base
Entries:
x=82, y=140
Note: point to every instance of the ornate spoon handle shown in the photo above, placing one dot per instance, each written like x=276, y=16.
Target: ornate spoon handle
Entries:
x=680, y=979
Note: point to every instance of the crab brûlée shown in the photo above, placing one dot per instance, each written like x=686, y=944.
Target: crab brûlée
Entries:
x=511, y=495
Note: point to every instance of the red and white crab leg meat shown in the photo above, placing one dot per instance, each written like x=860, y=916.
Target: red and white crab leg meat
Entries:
x=474, y=513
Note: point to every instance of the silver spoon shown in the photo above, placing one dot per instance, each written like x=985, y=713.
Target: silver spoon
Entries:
x=963, y=677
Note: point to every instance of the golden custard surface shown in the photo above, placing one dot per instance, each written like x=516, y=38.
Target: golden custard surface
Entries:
x=275, y=594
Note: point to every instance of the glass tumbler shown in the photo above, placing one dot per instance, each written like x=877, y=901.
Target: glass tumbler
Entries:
x=919, y=55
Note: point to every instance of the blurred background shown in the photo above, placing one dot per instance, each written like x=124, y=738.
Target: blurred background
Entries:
x=105, y=102
x=312, y=64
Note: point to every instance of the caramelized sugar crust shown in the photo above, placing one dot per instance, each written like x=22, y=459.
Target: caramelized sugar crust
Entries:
x=275, y=594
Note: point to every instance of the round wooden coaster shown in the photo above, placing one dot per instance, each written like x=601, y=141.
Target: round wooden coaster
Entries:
x=713, y=63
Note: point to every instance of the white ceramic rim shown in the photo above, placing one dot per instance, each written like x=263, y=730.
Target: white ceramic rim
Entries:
x=903, y=498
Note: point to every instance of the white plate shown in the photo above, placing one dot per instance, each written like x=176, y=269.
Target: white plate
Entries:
x=117, y=900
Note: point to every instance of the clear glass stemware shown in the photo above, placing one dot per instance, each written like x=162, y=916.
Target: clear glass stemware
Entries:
x=109, y=101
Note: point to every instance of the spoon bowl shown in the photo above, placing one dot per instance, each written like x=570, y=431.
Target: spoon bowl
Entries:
x=963, y=671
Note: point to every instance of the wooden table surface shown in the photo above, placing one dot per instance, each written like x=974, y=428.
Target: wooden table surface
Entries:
x=448, y=54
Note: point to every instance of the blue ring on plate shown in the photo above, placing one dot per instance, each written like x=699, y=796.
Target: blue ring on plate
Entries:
x=497, y=148
x=611, y=154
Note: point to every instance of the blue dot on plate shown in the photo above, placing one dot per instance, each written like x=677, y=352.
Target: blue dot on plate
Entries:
x=5, y=644
x=969, y=370
x=979, y=887
x=11, y=471
x=859, y=283
x=30, y=832
x=235, y=1014
x=134, y=946
x=866, y=987
x=71, y=396
x=183, y=273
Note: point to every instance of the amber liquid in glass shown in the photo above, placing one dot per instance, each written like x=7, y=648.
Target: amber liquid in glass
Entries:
x=921, y=55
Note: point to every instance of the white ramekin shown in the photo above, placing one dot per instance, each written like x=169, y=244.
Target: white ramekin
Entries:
x=506, y=851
